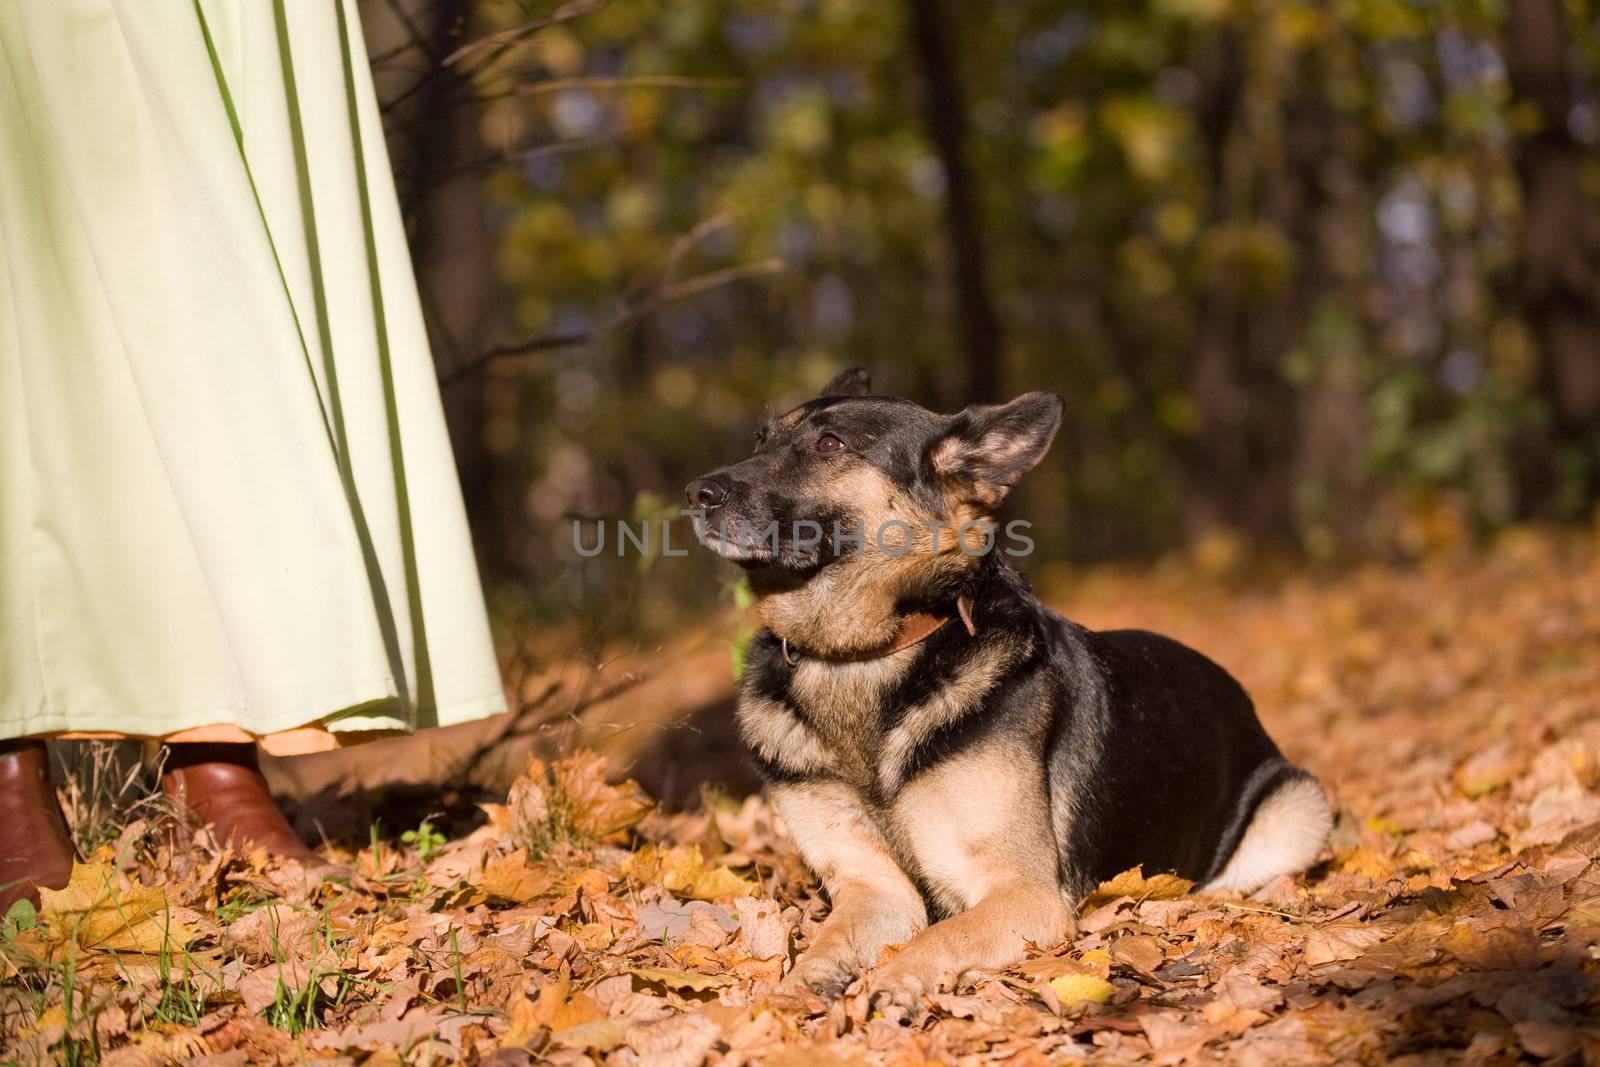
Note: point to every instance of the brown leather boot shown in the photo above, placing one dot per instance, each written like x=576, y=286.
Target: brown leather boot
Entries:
x=223, y=787
x=35, y=848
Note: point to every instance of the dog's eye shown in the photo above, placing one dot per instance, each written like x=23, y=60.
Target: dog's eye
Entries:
x=828, y=443
x=761, y=437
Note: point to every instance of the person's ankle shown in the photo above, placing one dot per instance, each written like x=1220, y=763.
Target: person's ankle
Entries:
x=190, y=754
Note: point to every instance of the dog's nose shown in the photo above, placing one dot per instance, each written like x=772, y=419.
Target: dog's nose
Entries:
x=708, y=492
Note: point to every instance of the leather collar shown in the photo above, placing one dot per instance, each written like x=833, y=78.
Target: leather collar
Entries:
x=915, y=628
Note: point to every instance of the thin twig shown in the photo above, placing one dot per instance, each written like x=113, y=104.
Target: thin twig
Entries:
x=585, y=81
x=463, y=371
x=697, y=233
x=1259, y=907
x=511, y=36
x=700, y=283
x=415, y=37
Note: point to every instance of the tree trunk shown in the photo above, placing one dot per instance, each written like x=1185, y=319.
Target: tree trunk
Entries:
x=1558, y=281
x=451, y=247
x=945, y=115
x=1215, y=456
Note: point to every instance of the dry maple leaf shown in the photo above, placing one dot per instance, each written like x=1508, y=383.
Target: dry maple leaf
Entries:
x=681, y=1041
x=156, y=1048
x=261, y=988
x=672, y=978
x=1132, y=883
x=1498, y=948
x=527, y=810
x=556, y=1009
x=762, y=929
x=275, y=932
x=602, y=1035
x=523, y=1017
x=682, y=870
x=596, y=809
x=99, y=913
x=578, y=885
x=1142, y=952
x=513, y=879
x=1096, y=962
x=669, y=920
x=1333, y=942
x=571, y=800
x=1169, y=1031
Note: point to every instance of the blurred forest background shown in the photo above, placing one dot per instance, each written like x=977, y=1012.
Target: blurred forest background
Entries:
x=1322, y=277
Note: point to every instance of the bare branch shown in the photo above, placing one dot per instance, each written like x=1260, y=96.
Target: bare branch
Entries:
x=471, y=368
x=416, y=38
x=512, y=36
x=641, y=81
x=704, y=282
x=697, y=233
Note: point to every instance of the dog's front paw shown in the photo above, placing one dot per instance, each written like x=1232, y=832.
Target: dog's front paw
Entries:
x=826, y=976
x=901, y=985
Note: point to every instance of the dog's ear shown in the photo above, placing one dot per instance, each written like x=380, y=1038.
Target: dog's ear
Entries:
x=856, y=381
x=987, y=448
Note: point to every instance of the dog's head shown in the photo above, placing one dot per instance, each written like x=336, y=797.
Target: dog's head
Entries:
x=876, y=484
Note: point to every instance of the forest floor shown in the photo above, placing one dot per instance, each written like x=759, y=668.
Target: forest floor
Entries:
x=1451, y=706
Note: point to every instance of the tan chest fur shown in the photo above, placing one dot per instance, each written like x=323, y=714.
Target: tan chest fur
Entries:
x=973, y=822
x=836, y=733
x=954, y=824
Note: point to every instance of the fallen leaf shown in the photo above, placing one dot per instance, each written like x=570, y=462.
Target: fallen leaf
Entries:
x=676, y=979
x=1142, y=952
x=1094, y=962
x=555, y=1009
x=264, y=986
x=513, y=879
x=682, y=870
x=1073, y=989
x=1499, y=948
x=1547, y=1040
x=527, y=810
x=602, y=1035
x=596, y=808
x=1133, y=883
x=681, y=1041
x=99, y=913
x=1333, y=942
x=275, y=932
x=1168, y=1030
x=669, y=920
x=762, y=930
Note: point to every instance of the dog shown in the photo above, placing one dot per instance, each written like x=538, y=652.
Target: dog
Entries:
x=957, y=763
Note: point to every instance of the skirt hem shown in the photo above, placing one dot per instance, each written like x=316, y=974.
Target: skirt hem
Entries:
x=304, y=737
x=256, y=723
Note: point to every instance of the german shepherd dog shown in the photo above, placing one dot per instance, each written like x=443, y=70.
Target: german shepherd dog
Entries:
x=943, y=747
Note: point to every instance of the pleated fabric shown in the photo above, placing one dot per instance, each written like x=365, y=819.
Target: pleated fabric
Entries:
x=226, y=490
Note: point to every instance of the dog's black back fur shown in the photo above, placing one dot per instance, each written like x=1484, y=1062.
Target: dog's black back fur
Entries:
x=1192, y=760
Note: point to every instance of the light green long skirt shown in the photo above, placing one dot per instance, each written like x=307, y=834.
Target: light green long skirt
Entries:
x=226, y=490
